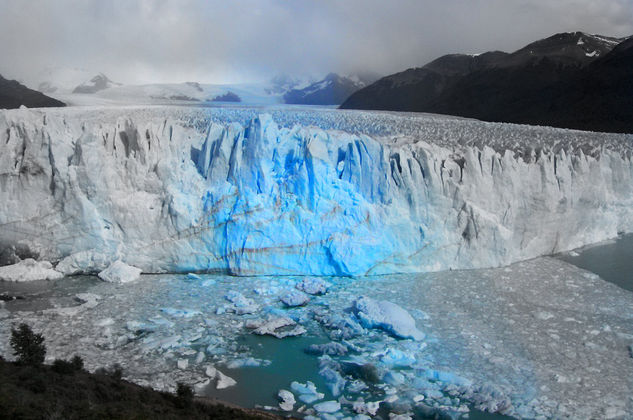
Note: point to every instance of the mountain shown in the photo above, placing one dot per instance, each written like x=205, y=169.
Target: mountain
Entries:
x=332, y=90
x=522, y=87
x=57, y=79
x=599, y=98
x=415, y=89
x=94, y=85
x=14, y=94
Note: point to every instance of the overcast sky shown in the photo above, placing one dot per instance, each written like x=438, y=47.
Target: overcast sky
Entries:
x=251, y=40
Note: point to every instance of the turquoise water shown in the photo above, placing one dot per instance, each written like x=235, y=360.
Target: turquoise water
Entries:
x=612, y=260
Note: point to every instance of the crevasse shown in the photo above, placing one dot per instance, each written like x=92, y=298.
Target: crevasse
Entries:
x=181, y=191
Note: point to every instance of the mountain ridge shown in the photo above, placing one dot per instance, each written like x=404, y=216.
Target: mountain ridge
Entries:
x=519, y=87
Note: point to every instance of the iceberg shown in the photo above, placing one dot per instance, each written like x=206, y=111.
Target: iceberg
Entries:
x=29, y=270
x=119, y=272
x=389, y=317
x=302, y=192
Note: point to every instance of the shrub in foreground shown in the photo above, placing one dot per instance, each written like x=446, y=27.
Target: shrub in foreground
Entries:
x=28, y=346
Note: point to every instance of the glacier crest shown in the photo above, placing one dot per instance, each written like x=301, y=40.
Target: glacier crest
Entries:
x=184, y=194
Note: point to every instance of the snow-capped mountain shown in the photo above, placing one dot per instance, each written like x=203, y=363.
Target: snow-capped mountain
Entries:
x=521, y=87
x=58, y=79
x=331, y=90
x=95, y=84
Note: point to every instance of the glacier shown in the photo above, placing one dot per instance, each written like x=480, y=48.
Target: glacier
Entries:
x=295, y=191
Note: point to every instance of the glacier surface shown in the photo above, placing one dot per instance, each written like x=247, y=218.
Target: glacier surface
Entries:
x=295, y=191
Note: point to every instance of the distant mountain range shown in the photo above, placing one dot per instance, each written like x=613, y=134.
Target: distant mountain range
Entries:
x=94, y=85
x=13, y=95
x=79, y=87
x=332, y=90
x=572, y=80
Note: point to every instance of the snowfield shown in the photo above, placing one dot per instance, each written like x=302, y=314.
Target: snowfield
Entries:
x=301, y=191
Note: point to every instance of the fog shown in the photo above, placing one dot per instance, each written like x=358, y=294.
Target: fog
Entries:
x=252, y=40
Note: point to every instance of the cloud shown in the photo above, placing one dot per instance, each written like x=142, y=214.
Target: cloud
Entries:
x=240, y=40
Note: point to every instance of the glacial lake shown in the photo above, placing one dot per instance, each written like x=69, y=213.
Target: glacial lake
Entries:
x=508, y=337
x=611, y=260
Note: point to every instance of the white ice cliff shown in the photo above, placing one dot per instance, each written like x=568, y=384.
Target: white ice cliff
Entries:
x=301, y=192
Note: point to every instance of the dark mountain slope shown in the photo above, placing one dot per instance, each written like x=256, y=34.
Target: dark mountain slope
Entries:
x=597, y=96
x=569, y=80
x=14, y=94
x=415, y=89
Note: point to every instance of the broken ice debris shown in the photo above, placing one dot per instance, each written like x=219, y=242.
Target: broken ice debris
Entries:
x=331, y=349
x=241, y=304
x=313, y=286
x=119, y=272
x=277, y=326
x=294, y=298
x=29, y=270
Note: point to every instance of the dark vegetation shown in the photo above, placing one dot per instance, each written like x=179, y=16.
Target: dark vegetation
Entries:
x=14, y=94
x=64, y=390
x=569, y=80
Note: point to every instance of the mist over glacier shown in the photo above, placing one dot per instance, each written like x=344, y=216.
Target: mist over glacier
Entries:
x=323, y=192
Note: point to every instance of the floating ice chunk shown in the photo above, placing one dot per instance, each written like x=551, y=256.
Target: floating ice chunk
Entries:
x=544, y=315
x=268, y=290
x=88, y=261
x=152, y=343
x=387, y=316
x=333, y=379
x=183, y=364
x=327, y=407
x=247, y=362
x=362, y=407
x=224, y=381
x=342, y=327
x=119, y=272
x=88, y=300
x=313, y=286
x=200, y=357
x=29, y=270
x=241, y=304
x=394, y=416
x=395, y=357
x=393, y=378
x=445, y=377
x=200, y=386
x=193, y=276
x=180, y=313
x=294, y=298
x=277, y=326
x=211, y=372
x=307, y=392
x=286, y=400
x=331, y=349
x=104, y=322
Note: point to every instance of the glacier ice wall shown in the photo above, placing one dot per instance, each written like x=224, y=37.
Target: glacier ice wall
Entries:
x=169, y=189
